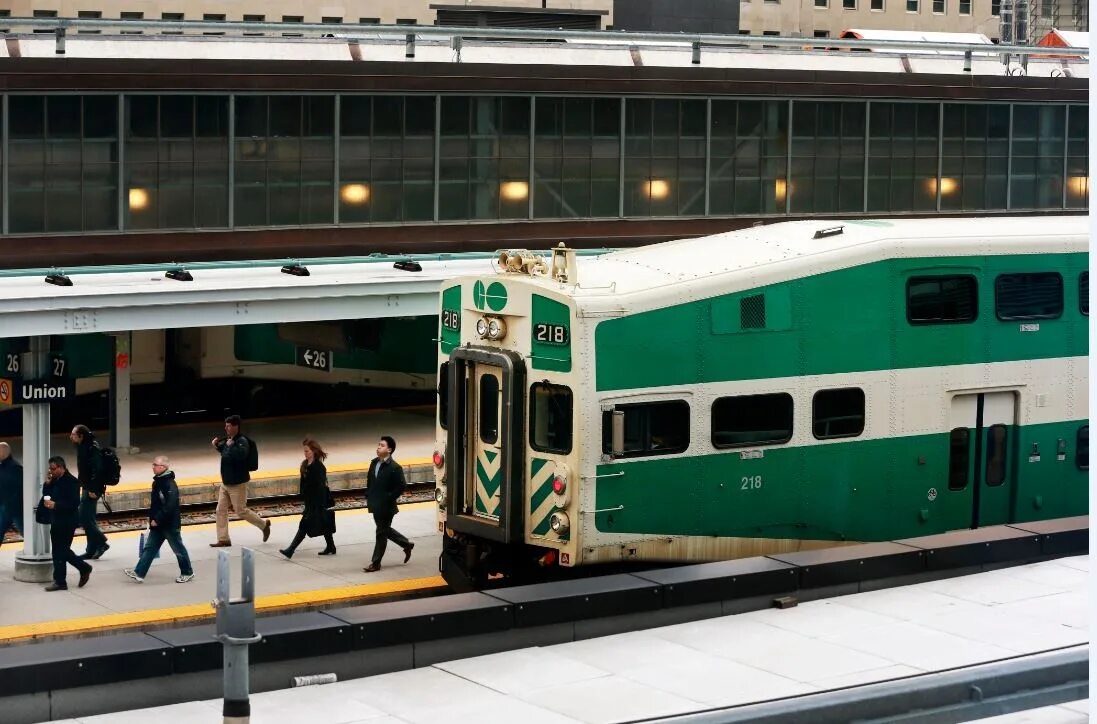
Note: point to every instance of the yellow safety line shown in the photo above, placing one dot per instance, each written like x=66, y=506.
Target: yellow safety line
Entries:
x=265, y=475
x=202, y=611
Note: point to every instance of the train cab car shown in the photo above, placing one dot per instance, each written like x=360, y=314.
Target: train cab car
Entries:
x=775, y=389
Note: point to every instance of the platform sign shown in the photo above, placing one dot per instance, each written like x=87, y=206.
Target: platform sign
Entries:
x=29, y=392
x=313, y=358
x=7, y=392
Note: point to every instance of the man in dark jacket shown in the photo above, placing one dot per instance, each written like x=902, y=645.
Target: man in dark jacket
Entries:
x=235, y=450
x=11, y=492
x=164, y=524
x=89, y=470
x=384, y=484
x=62, y=497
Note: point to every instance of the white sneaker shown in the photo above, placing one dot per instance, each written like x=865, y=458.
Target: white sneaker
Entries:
x=133, y=574
x=184, y=577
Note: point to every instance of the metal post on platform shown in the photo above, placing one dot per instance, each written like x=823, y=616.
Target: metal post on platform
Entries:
x=120, y=423
x=236, y=631
x=35, y=564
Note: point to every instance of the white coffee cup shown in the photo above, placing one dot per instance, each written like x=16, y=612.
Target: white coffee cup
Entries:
x=46, y=497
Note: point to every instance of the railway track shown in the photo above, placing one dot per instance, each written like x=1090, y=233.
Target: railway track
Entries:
x=268, y=507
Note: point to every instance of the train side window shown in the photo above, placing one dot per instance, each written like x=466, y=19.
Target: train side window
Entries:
x=1081, y=449
x=489, y=409
x=942, y=299
x=1036, y=295
x=651, y=428
x=443, y=395
x=838, y=413
x=550, y=419
x=752, y=420
x=959, y=458
x=1083, y=293
x=996, y=455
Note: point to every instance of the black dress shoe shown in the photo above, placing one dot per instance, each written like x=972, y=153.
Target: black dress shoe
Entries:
x=372, y=568
x=287, y=553
x=99, y=553
x=407, y=552
x=57, y=587
x=88, y=555
x=84, y=577
x=327, y=552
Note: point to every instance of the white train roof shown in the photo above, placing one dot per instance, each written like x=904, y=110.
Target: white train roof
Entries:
x=749, y=258
x=366, y=47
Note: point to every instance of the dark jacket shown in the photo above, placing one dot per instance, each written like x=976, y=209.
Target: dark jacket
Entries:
x=89, y=465
x=234, y=460
x=316, y=520
x=11, y=485
x=65, y=493
x=164, y=507
x=384, y=488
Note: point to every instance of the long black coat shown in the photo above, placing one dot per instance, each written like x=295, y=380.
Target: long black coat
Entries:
x=316, y=520
x=65, y=493
x=11, y=485
x=383, y=489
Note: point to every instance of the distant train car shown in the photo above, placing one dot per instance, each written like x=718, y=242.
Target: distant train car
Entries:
x=767, y=390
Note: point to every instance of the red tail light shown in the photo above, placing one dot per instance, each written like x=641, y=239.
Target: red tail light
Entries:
x=548, y=559
x=439, y=459
x=559, y=485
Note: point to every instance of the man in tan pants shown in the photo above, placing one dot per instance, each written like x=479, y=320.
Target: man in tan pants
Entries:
x=235, y=453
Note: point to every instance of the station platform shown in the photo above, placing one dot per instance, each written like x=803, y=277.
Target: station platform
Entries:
x=113, y=602
x=349, y=438
x=787, y=656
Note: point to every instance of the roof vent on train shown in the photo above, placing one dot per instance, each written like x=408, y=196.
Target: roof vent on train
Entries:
x=830, y=231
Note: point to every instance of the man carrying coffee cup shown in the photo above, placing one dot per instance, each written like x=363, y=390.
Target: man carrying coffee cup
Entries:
x=61, y=494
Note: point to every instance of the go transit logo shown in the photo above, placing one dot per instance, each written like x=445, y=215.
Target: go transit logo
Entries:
x=494, y=296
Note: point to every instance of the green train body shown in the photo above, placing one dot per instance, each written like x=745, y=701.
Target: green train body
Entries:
x=774, y=389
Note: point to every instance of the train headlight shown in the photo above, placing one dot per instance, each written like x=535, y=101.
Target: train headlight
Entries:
x=559, y=523
x=482, y=327
x=440, y=496
x=497, y=329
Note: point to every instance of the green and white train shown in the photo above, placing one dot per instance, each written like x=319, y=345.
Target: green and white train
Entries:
x=767, y=390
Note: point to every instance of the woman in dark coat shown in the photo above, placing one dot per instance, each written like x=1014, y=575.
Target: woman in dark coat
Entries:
x=317, y=518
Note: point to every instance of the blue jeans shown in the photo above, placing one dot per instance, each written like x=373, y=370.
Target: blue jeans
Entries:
x=156, y=538
x=94, y=538
x=8, y=518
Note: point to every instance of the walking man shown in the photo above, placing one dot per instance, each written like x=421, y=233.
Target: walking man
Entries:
x=384, y=484
x=11, y=492
x=164, y=524
x=235, y=452
x=89, y=470
x=62, y=496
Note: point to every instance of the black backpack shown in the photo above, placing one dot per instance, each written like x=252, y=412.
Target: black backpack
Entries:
x=253, y=455
x=110, y=467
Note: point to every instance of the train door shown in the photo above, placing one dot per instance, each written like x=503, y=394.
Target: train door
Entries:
x=982, y=455
x=485, y=447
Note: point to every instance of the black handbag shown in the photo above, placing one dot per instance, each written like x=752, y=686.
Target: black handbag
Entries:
x=42, y=514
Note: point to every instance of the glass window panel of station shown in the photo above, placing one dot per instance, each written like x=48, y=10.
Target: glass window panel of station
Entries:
x=284, y=160
x=975, y=156
x=828, y=156
x=63, y=172
x=902, y=156
x=1036, y=180
x=664, y=157
x=386, y=166
x=176, y=170
x=577, y=150
x=484, y=158
x=749, y=148
x=1077, y=191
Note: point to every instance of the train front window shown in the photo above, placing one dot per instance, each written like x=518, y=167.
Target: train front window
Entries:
x=550, y=419
x=443, y=395
x=489, y=409
x=651, y=428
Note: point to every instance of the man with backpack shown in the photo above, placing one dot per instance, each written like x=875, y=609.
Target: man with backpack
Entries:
x=239, y=456
x=90, y=473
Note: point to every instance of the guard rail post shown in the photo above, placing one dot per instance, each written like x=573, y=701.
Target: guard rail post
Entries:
x=236, y=631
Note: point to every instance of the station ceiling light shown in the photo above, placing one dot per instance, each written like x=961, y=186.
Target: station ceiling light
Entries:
x=296, y=270
x=407, y=265
x=58, y=280
x=179, y=275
